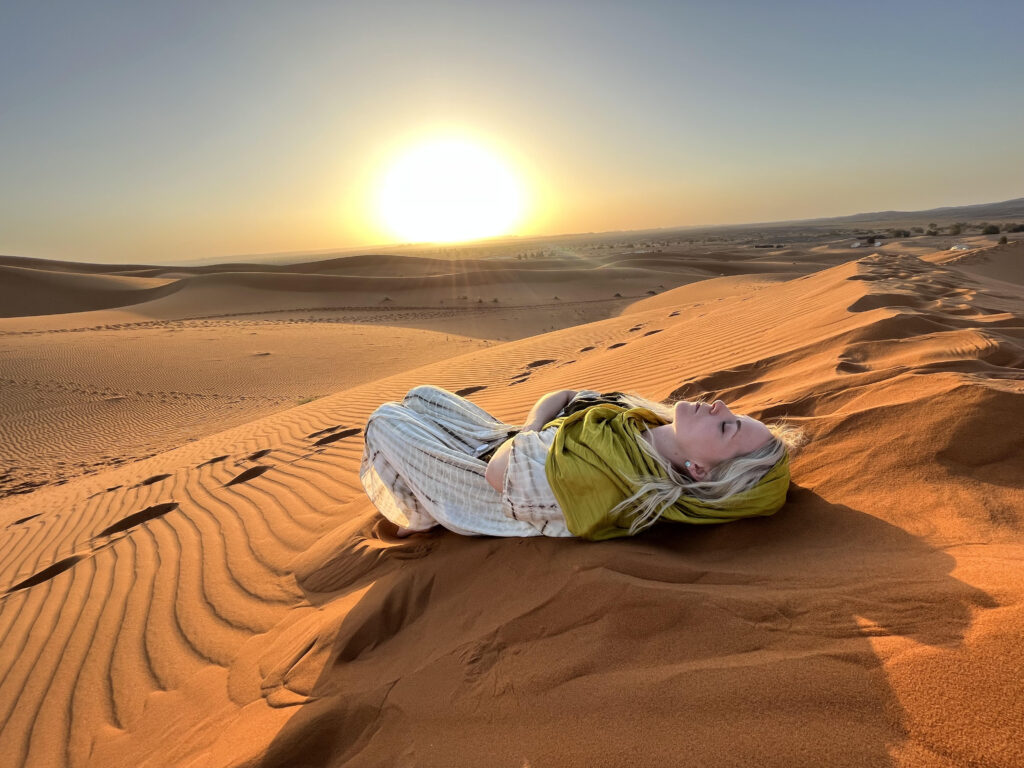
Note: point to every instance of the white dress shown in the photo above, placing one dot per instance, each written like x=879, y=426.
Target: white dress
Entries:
x=421, y=467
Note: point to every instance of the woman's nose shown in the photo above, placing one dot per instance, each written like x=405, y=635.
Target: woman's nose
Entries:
x=718, y=406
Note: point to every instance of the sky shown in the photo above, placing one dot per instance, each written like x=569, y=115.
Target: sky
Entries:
x=142, y=132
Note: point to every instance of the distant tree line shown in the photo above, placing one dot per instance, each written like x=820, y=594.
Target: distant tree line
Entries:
x=960, y=228
x=984, y=227
x=957, y=228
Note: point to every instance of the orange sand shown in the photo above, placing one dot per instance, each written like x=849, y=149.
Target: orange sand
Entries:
x=155, y=613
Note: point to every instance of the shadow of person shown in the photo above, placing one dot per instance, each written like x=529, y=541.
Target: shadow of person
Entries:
x=760, y=642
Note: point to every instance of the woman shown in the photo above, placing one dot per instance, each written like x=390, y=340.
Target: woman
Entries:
x=584, y=464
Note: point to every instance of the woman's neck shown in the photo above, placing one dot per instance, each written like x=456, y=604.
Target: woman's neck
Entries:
x=662, y=440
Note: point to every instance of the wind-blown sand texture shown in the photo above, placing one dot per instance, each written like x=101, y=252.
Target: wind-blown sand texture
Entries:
x=237, y=601
x=106, y=364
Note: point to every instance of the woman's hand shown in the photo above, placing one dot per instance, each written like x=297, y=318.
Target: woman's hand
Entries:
x=547, y=408
x=542, y=412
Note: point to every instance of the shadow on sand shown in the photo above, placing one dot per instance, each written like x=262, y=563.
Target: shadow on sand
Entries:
x=751, y=643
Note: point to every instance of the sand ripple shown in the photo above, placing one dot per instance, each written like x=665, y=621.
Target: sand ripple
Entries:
x=197, y=608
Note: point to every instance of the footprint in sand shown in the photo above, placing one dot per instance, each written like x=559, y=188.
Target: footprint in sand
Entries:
x=64, y=564
x=338, y=436
x=137, y=518
x=323, y=431
x=21, y=520
x=469, y=390
x=538, y=363
x=47, y=573
x=151, y=480
x=108, y=490
x=849, y=367
x=257, y=455
x=247, y=475
x=587, y=349
x=620, y=344
x=656, y=330
x=674, y=313
x=214, y=460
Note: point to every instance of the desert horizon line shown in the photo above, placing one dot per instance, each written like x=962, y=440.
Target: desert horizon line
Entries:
x=507, y=238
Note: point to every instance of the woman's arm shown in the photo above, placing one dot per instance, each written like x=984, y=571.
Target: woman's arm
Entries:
x=495, y=472
x=545, y=409
x=542, y=412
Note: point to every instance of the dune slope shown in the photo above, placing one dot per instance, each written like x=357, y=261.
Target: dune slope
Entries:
x=238, y=602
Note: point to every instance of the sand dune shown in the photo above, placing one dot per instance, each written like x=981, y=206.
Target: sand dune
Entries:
x=999, y=262
x=26, y=262
x=48, y=292
x=31, y=293
x=34, y=287
x=237, y=601
x=176, y=358
x=79, y=400
x=710, y=290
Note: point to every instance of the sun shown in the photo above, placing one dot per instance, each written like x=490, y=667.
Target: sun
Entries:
x=449, y=189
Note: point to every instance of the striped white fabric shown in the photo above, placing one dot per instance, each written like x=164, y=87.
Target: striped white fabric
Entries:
x=527, y=494
x=420, y=468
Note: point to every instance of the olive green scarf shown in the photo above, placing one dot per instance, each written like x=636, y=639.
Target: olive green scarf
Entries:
x=596, y=450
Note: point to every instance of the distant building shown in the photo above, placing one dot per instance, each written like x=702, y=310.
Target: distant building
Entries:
x=871, y=240
x=960, y=247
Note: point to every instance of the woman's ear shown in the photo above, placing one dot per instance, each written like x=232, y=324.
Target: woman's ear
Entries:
x=697, y=471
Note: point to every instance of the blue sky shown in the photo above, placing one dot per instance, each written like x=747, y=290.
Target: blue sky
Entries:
x=178, y=131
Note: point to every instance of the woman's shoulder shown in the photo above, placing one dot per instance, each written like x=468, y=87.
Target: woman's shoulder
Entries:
x=588, y=398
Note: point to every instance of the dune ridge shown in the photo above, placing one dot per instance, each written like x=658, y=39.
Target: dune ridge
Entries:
x=238, y=602
x=34, y=287
x=220, y=345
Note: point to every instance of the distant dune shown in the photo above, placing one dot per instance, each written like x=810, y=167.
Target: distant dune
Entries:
x=39, y=291
x=35, y=287
x=236, y=600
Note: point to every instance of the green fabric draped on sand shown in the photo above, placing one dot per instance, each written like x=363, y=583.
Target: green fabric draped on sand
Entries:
x=596, y=450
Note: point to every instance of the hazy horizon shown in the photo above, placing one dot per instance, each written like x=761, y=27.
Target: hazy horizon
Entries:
x=191, y=132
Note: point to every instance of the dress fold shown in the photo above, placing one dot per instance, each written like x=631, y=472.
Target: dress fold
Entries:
x=422, y=467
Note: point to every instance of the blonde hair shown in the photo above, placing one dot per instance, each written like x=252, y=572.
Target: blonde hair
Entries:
x=656, y=494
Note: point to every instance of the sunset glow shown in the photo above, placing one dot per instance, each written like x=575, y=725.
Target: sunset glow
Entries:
x=447, y=190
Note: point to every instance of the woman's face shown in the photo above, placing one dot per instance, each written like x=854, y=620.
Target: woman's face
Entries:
x=708, y=434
